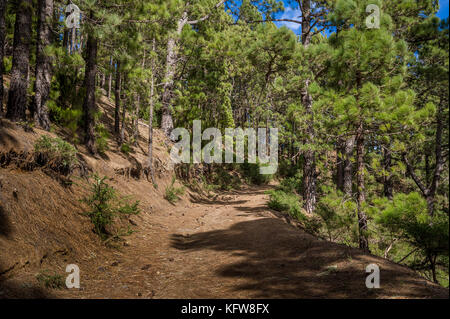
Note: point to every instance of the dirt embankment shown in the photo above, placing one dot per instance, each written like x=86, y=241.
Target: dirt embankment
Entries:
x=227, y=246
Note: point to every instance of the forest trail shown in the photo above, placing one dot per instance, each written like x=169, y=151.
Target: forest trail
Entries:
x=233, y=246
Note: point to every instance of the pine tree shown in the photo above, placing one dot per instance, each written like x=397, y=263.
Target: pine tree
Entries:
x=3, y=4
x=17, y=99
x=43, y=64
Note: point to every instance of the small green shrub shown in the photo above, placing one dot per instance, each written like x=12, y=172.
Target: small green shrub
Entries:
x=406, y=217
x=125, y=148
x=50, y=280
x=286, y=203
x=102, y=137
x=172, y=193
x=291, y=185
x=337, y=218
x=225, y=180
x=106, y=206
x=251, y=172
x=56, y=152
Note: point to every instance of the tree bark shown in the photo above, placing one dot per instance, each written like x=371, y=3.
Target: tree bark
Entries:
x=89, y=106
x=340, y=165
x=17, y=99
x=43, y=64
x=117, y=98
x=171, y=66
x=348, y=166
x=2, y=48
x=136, y=123
x=309, y=168
x=110, y=77
x=362, y=218
x=150, y=118
x=387, y=163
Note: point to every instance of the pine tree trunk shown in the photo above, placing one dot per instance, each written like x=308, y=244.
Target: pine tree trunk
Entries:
x=340, y=165
x=66, y=30
x=43, y=64
x=122, y=127
x=309, y=168
x=388, y=185
x=73, y=38
x=117, y=98
x=171, y=66
x=349, y=148
x=110, y=77
x=150, y=118
x=2, y=48
x=17, y=99
x=362, y=218
x=136, y=119
x=89, y=106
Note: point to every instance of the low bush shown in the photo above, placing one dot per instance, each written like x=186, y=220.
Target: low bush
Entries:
x=102, y=137
x=106, y=206
x=125, y=148
x=407, y=219
x=251, y=172
x=172, y=193
x=56, y=153
x=286, y=203
x=50, y=280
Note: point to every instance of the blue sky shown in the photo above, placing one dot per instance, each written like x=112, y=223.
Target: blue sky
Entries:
x=291, y=12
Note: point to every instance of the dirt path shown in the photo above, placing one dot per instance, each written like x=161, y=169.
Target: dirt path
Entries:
x=235, y=247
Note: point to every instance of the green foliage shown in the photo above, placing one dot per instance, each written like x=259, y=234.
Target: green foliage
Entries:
x=172, y=193
x=57, y=152
x=105, y=206
x=337, y=218
x=103, y=136
x=286, y=203
x=125, y=148
x=406, y=217
x=7, y=64
x=224, y=179
x=251, y=172
x=292, y=184
x=50, y=280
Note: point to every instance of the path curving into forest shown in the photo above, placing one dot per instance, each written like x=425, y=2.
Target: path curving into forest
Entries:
x=233, y=246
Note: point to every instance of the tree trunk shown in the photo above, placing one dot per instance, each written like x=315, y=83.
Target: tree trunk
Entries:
x=309, y=168
x=388, y=185
x=2, y=48
x=89, y=106
x=17, y=100
x=340, y=165
x=136, y=123
x=117, y=98
x=349, y=148
x=110, y=77
x=66, y=30
x=122, y=128
x=362, y=218
x=150, y=120
x=171, y=66
x=43, y=64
